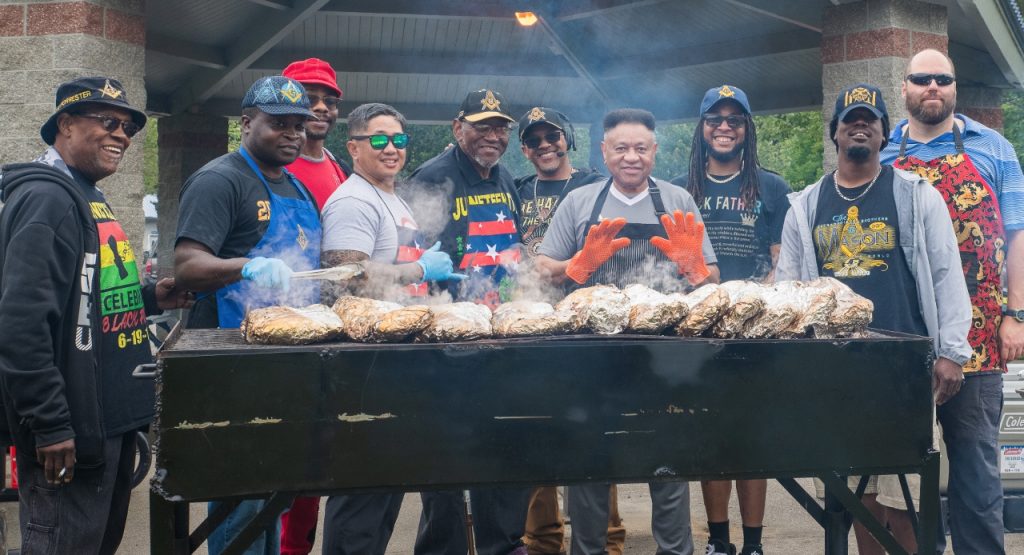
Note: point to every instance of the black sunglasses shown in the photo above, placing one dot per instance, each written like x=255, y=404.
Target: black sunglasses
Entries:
x=734, y=122
x=925, y=79
x=380, y=142
x=110, y=124
x=329, y=101
x=533, y=141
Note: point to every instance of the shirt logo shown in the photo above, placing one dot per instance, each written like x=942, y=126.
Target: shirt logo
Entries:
x=263, y=210
x=851, y=251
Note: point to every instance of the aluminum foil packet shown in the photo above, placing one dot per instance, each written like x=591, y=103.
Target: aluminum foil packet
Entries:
x=706, y=304
x=602, y=309
x=359, y=316
x=401, y=324
x=528, y=318
x=781, y=311
x=745, y=304
x=458, y=322
x=653, y=312
x=285, y=325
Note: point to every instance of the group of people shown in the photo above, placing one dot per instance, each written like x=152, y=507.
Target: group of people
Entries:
x=921, y=217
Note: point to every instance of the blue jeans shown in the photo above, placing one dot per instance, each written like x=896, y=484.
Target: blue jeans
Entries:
x=970, y=428
x=86, y=516
x=499, y=521
x=265, y=544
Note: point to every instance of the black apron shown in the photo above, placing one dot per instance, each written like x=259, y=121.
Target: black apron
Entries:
x=631, y=263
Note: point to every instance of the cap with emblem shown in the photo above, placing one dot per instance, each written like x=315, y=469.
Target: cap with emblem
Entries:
x=550, y=116
x=860, y=95
x=89, y=90
x=278, y=96
x=724, y=92
x=482, y=104
x=313, y=71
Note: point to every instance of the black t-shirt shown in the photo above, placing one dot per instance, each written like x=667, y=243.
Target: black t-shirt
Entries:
x=538, y=200
x=858, y=243
x=225, y=207
x=742, y=238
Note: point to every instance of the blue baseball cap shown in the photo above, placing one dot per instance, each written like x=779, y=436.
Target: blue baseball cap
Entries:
x=278, y=96
x=725, y=92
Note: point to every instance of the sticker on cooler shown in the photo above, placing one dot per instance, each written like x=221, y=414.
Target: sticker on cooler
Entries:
x=1013, y=424
x=1011, y=460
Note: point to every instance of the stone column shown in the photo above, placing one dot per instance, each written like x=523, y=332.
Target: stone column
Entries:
x=984, y=104
x=186, y=142
x=871, y=42
x=44, y=44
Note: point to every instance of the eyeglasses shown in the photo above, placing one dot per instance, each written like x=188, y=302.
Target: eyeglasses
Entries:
x=734, y=122
x=533, y=141
x=925, y=79
x=110, y=124
x=380, y=142
x=500, y=129
x=329, y=101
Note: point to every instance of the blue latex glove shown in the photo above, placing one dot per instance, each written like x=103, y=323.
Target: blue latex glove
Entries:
x=271, y=273
x=437, y=265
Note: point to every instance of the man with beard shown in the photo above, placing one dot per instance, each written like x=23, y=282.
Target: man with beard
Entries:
x=239, y=216
x=628, y=229
x=547, y=136
x=468, y=200
x=977, y=172
x=743, y=207
x=316, y=167
x=885, y=233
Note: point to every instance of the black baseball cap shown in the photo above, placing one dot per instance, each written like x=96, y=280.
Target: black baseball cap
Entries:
x=860, y=95
x=724, y=92
x=540, y=114
x=482, y=104
x=89, y=90
x=278, y=95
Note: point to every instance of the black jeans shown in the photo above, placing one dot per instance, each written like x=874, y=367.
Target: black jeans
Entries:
x=499, y=521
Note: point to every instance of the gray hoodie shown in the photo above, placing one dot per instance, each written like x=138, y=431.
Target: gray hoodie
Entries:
x=930, y=247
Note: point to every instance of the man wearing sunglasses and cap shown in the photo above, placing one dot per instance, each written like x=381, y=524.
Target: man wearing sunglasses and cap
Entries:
x=885, y=233
x=73, y=322
x=978, y=174
x=743, y=207
x=244, y=224
x=467, y=200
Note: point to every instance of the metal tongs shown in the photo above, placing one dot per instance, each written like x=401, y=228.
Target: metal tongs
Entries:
x=334, y=273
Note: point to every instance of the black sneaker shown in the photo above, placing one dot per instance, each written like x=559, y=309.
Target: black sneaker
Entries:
x=752, y=549
x=716, y=547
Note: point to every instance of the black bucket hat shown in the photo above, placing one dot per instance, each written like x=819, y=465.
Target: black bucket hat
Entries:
x=89, y=90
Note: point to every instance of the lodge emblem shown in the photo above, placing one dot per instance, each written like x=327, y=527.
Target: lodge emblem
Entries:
x=291, y=92
x=109, y=90
x=860, y=94
x=489, y=102
x=302, y=240
x=536, y=114
x=725, y=92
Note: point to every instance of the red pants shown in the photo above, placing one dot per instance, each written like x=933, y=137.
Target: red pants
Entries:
x=298, y=526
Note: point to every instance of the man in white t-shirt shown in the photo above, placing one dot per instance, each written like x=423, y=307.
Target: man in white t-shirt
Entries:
x=365, y=222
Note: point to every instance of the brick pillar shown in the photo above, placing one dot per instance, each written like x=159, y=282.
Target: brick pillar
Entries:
x=984, y=104
x=43, y=44
x=871, y=42
x=186, y=142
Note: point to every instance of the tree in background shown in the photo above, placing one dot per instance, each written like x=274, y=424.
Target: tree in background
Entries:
x=791, y=145
x=1013, y=121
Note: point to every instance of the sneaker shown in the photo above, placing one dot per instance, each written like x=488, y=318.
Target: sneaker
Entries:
x=752, y=549
x=716, y=547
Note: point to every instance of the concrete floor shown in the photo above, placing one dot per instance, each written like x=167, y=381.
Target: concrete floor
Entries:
x=788, y=529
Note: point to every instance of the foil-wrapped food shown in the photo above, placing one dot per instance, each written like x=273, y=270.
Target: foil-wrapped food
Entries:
x=527, y=318
x=401, y=324
x=602, y=309
x=359, y=316
x=458, y=322
x=652, y=312
x=745, y=303
x=706, y=304
x=285, y=325
x=853, y=312
x=781, y=311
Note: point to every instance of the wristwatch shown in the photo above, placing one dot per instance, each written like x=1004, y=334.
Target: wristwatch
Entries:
x=1017, y=315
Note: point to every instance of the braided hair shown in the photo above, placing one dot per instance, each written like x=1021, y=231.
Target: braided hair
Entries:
x=748, y=173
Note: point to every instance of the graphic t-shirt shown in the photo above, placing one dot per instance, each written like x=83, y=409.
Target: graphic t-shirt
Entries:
x=742, y=238
x=858, y=243
x=123, y=333
x=539, y=199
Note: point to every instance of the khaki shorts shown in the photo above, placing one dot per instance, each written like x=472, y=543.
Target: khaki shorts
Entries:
x=887, y=486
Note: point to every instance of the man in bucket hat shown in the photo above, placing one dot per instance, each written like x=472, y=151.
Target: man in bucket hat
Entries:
x=240, y=217
x=73, y=319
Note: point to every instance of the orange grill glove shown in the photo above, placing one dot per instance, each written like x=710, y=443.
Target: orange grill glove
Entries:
x=684, y=245
x=599, y=246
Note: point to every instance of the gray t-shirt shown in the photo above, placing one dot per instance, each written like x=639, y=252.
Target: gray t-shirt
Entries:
x=360, y=217
x=569, y=227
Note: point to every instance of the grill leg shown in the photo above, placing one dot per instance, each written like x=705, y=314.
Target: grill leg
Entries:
x=168, y=527
x=929, y=506
x=836, y=522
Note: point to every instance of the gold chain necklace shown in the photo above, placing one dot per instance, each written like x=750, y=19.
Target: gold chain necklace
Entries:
x=835, y=181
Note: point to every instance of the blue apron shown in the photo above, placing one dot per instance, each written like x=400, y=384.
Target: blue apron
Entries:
x=293, y=232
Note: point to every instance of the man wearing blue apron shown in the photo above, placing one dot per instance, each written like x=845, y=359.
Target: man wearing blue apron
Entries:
x=366, y=222
x=609, y=233
x=245, y=223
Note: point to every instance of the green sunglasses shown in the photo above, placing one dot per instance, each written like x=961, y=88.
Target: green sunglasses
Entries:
x=380, y=142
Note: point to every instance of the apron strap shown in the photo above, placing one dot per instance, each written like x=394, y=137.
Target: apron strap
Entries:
x=957, y=139
x=903, y=142
x=652, y=188
x=599, y=204
x=659, y=206
x=259, y=174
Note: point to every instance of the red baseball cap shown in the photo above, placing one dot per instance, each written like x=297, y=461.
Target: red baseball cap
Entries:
x=315, y=71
